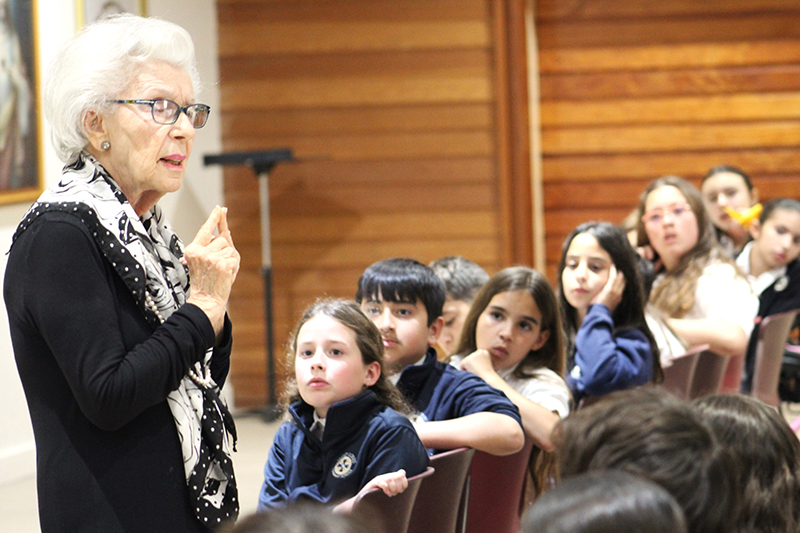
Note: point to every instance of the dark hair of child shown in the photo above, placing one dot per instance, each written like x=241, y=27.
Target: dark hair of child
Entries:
x=767, y=454
x=605, y=501
x=629, y=313
x=648, y=432
x=786, y=204
x=519, y=278
x=461, y=277
x=403, y=281
x=719, y=169
x=368, y=340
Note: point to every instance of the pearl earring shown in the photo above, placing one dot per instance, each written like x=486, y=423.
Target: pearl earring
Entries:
x=105, y=145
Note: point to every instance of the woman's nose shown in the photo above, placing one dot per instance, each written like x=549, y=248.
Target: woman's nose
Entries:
x=182, y=128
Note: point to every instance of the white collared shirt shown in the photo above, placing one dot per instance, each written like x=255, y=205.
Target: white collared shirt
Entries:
x=766, y=279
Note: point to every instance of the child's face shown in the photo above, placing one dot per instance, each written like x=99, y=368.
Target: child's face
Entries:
x=404, y=328
x=670, y=224
x=777, y=241
x=453, y=314
x=328, y=364
x=722, y=190
x=585, y=271
x=509, y=328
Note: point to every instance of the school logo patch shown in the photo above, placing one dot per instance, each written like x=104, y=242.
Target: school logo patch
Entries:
x=344, y=466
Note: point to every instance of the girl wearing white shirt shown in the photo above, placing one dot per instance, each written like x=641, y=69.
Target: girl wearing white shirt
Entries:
x=770, y=261
x=703, y=295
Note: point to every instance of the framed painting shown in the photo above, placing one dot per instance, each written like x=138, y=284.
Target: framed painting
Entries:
x=20, y=130
x=91, y=10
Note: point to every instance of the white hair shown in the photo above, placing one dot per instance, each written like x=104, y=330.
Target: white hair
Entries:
x=99, y=63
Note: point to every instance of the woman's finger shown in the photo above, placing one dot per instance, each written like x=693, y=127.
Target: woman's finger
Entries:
x=206, y=232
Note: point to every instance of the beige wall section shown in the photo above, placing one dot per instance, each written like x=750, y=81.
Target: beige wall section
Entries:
x=390, y=107
x=633, y=89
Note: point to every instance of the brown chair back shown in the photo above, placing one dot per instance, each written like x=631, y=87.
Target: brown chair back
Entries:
x=679, y=375
x=708, y=374
x=438, y=500
x=390, y=514
x=770, y=346
x=497, y=491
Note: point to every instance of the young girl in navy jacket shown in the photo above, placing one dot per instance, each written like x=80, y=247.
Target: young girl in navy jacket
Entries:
x=602, y=301
x=345, y=435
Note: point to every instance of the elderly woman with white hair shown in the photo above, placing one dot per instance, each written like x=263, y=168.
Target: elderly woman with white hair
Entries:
x=121, y=338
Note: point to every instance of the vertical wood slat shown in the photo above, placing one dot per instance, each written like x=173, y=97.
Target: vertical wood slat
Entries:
x=397, y=109
x=622, y=104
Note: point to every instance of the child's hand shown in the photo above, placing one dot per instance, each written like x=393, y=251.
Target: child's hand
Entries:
x=611, y=294
x=478, y=362
x=391, y=484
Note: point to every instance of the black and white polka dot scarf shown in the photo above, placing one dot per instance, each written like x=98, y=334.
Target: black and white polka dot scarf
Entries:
x=146, y=253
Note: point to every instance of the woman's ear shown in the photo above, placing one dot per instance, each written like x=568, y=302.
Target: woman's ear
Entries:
x=94, y=126
x=372, y=374
x=754, y=195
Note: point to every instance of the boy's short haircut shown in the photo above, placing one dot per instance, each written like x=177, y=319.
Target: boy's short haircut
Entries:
x=462, y=278
x=649, y=433
x=402, y=280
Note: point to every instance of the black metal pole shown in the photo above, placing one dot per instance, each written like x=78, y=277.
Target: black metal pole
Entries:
x=262, y=162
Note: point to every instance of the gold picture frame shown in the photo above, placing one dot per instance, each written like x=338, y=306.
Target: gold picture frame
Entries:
x=21, y=163
x=90, y=10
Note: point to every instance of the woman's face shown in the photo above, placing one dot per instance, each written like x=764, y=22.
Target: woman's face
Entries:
x=509, y=328
x=586, y=269
x=148, y=159
x=777, y=241
x=725, y=189
x=670, y=224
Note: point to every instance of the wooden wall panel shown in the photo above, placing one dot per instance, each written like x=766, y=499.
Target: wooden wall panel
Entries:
x=399, y=113
x=632, y=90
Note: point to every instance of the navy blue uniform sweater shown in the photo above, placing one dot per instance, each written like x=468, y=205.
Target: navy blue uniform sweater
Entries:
x=442, y=392
x=608, y=360
x=363, y=439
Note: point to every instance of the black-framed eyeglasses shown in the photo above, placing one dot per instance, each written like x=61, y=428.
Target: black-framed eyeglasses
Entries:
x=167, y=112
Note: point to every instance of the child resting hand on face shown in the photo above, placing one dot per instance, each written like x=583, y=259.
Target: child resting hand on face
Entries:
x=345, y=436
x=512, y=339
x=602, y=304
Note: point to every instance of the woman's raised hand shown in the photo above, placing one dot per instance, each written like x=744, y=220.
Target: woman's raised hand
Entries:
x=213, y=264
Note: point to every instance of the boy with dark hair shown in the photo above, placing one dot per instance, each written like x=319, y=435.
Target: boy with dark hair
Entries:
x=404, y=299
x=462, y=280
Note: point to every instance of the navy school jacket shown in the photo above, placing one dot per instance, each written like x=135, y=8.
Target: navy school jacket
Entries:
x=608, y=360
x=442, y=392
x=363, y=438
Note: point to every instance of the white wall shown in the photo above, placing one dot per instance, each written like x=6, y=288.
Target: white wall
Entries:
x=186, y=209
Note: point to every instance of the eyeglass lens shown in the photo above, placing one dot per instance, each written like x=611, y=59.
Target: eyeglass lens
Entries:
x=167, y=111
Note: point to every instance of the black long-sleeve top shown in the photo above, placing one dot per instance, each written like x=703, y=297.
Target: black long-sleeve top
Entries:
x=96, y=377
